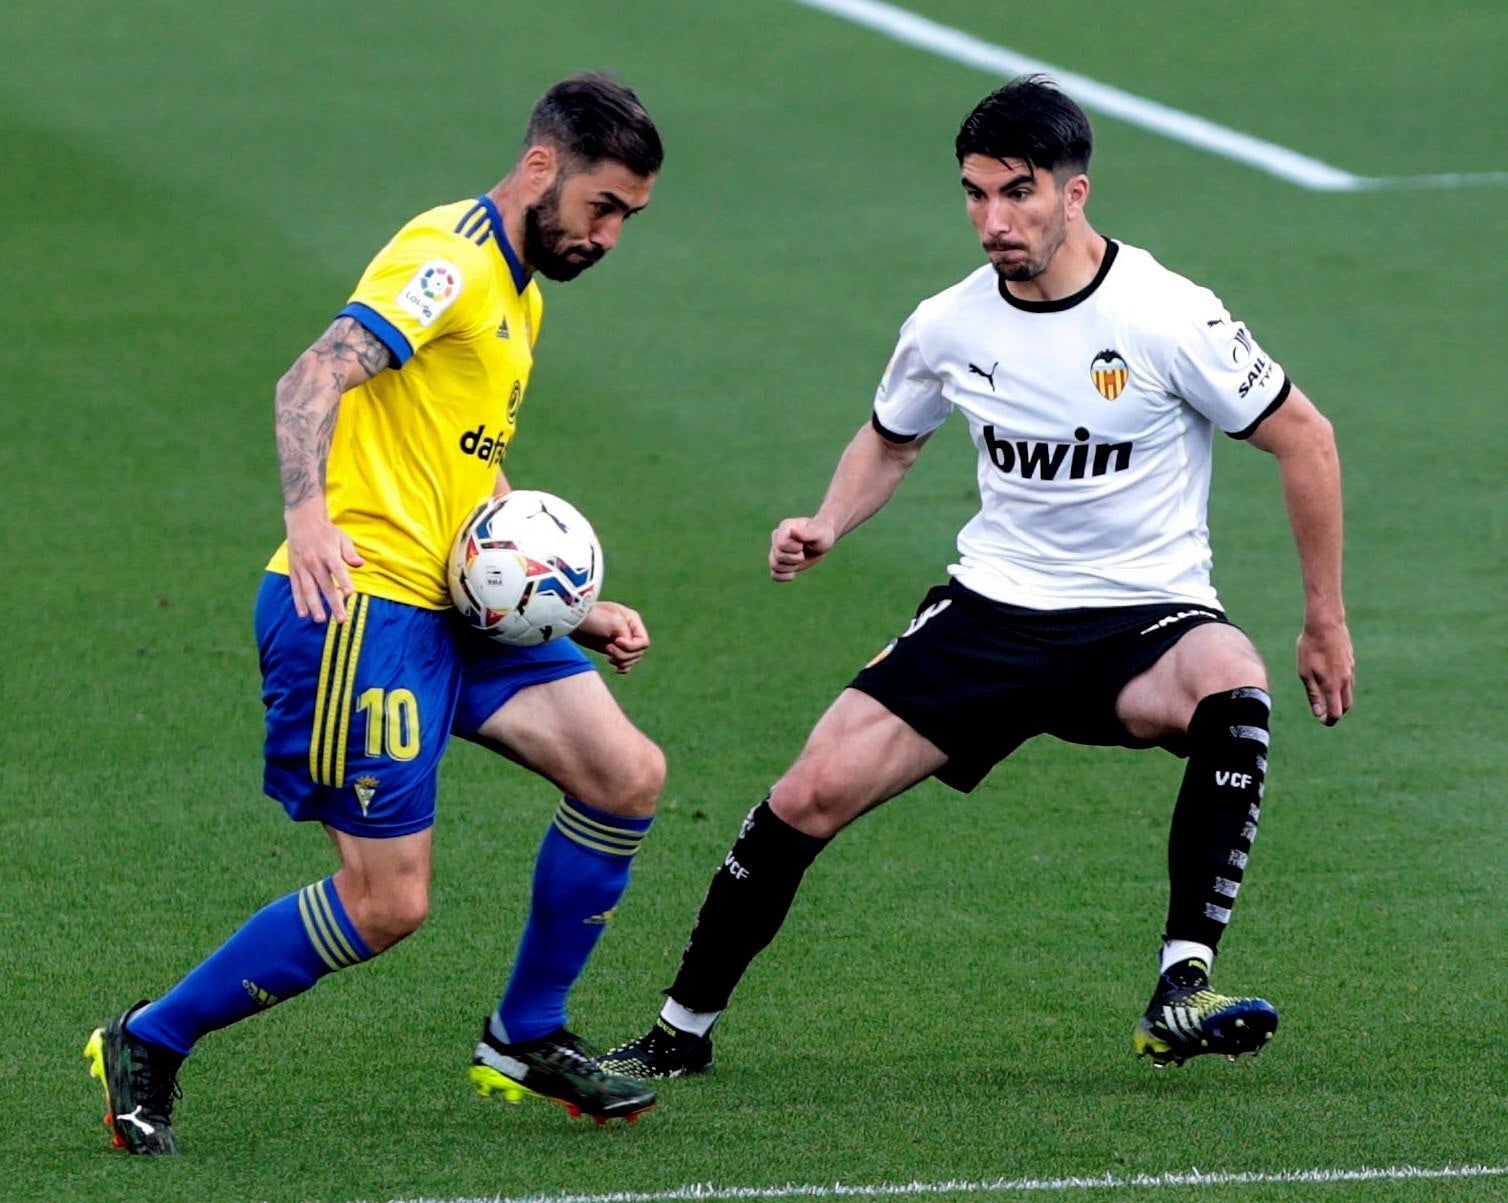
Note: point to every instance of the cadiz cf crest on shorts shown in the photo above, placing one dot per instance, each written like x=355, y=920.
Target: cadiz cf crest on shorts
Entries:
x=1109, y=372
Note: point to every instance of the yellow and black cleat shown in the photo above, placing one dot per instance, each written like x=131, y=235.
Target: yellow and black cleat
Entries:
x=140, y=1082
x=1187, y=1019
x=561, y=1069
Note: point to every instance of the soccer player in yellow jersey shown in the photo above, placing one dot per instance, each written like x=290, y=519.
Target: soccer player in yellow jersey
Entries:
x=390, y=428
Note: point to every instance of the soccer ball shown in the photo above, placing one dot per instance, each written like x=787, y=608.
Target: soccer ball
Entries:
x=525, y=568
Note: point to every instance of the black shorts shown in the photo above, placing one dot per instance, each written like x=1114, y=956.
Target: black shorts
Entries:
x=978, y=678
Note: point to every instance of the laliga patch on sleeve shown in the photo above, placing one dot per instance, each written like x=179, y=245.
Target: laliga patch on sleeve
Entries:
x=431, y=291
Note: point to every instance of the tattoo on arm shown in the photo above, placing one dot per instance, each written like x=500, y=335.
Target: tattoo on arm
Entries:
x=308, y=401
x=346, y=340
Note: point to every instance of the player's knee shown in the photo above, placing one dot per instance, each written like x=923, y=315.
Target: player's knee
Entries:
x=632, y=785
x=815, y=799
x=644, y=780
x=389, y=915
x=1230, y=662
x=1236, y=674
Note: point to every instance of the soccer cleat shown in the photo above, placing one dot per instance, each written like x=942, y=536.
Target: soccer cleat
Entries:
x=141, y=1083
x=558, y=1067
x=662, y=1052
x=1187, y=1019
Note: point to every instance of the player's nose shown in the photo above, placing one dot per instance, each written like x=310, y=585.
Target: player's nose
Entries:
x=605, y=233
x=997, y=220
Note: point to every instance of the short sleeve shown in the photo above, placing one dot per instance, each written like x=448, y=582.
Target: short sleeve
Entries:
x=1221, y=370
x=421, y=285
x=909, y=401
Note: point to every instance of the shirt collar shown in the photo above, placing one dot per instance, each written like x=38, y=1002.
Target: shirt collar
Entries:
x=521, y=275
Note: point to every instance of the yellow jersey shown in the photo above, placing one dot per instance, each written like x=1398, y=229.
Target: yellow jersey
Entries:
x=419, y=444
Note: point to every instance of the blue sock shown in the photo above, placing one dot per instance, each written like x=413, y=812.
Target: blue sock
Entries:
x=579, y=877
x=281, y=951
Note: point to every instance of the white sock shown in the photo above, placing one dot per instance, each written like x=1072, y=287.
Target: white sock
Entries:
x=698, y=1023
x=1184, y=950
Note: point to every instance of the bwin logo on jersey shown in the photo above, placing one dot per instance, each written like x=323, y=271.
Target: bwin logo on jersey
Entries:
x=1109, y=373
x=1044, y=461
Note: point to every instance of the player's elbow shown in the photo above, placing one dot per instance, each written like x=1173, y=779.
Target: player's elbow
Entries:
x=900, y=453
x=1318, y=438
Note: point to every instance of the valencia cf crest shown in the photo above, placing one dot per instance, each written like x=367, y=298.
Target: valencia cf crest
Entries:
x=1109, y=372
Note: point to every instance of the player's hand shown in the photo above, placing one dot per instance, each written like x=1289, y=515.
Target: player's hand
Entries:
x=1327, y=668
x=798, y=543
x=320, y=556
x=617, y=632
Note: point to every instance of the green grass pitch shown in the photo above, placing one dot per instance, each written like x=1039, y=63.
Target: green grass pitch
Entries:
x=187, y=193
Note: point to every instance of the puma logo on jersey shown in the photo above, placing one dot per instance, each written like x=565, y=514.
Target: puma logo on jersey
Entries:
x=990, y=375
x=1043, y=461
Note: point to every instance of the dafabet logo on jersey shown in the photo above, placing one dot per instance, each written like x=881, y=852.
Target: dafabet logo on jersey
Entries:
x=431, y=291
x=1109, y=372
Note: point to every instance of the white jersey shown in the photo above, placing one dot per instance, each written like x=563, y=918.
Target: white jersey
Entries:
x=1094, y=420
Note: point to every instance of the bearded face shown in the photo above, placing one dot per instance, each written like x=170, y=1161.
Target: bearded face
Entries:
x=549, y=247
x=1030, y=255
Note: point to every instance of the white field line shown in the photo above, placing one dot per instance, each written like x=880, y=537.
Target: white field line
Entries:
x=1172, y=123
x=707, y=1192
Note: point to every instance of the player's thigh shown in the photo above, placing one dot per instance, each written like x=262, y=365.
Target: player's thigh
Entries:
x=357, y=713
x=572, y=731
x=858, y=755
x=1209, y=658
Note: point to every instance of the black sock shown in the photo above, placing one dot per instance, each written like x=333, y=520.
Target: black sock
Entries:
x=1215, y=819
x=750, y=895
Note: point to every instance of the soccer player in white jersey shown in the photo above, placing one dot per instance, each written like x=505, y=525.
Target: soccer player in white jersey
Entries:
x=1092, y=380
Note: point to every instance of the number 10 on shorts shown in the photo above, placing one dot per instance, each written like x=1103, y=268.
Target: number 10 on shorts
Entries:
x=392, y=720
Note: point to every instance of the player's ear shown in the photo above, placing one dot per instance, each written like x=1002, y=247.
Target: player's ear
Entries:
x=538, y=168
x=1076, y=194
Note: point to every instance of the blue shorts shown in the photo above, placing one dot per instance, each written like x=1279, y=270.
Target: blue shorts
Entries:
x=359, y=713
x=493, y=672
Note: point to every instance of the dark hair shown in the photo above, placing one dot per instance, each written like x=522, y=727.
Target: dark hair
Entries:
x=1030, y=120
x=592, y=118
